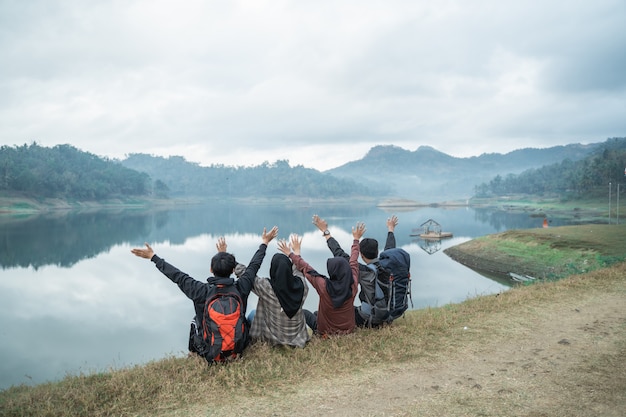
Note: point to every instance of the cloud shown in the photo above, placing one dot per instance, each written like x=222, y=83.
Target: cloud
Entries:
x=315, y=83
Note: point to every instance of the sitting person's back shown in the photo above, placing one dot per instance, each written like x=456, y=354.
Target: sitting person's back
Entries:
x=279, y=319
x=335, y=313
x=374, y=294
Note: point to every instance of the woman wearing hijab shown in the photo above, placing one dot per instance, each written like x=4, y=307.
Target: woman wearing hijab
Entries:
x=335, y=314
x=278, y=318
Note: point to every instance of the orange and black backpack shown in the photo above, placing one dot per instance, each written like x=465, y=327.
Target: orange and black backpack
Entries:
x=224, y=327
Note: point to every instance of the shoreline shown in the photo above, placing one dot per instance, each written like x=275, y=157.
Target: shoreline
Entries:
x=23, y=205
x=549, y=253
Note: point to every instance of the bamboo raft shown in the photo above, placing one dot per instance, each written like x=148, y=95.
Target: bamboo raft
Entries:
x=434, y=235
x=430, y=229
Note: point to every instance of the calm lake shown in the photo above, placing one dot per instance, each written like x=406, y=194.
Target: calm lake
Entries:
x=73, y=299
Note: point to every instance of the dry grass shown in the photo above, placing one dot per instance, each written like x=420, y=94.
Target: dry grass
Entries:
x=172, y=385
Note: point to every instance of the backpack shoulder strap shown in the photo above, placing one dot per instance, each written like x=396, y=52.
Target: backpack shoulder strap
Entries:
x=379, y=292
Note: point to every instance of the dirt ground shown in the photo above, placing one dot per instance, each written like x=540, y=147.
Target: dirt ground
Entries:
x=566, y=358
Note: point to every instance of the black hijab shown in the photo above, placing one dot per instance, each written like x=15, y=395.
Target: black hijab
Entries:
x=339, y=286
x=288, y=288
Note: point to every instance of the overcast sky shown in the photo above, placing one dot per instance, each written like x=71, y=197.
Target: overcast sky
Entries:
x=316, y=82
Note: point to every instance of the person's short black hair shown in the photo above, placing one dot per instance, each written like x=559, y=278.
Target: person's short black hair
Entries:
x=369, y=248
x=223, y=264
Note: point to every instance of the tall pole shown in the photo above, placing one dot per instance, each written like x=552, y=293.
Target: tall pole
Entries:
x=609, y=203
x=618, y=203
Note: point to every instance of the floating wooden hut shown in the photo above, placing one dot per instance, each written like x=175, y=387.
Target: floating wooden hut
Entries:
x=430, y=229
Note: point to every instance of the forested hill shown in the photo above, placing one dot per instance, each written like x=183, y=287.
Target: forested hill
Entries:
x=587, y=177
x=277, y=179
x=65, y=172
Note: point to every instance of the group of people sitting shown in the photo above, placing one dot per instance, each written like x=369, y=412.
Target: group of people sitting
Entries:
x=279, y=317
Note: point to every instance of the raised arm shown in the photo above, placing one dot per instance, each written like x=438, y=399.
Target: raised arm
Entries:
x=392, y=222
x=332, y=243
x=322, y=225
x=191, y=287
x=292, y=249
x=246, y=281
x=357, y=233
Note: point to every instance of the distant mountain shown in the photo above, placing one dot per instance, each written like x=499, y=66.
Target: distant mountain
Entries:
x=570, y=179
x=427, y=175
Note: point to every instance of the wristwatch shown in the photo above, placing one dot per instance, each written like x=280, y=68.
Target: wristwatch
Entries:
x=326, y=232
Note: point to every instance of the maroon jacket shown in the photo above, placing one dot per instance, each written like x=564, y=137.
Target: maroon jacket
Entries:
x=332, y=320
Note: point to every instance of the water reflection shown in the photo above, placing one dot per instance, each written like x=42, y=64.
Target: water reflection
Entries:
x=74, y=299
x=64, y=239
x=429, y=246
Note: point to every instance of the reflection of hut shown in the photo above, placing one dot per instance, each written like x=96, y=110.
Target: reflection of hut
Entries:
x=430, y=229
x=430, y=246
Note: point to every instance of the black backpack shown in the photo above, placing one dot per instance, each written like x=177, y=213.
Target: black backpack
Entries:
x=394, y=277
x=224, y=329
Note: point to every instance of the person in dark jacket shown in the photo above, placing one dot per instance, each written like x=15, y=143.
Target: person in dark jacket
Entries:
x=222, y=267
x=373, y=296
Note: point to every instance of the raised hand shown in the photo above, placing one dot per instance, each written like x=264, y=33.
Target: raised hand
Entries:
x=392, y=222
x=320, y=223
x=147, y=253
x=296, y=243
x=221, y=244
x=268, y=236
x=283, y=246
x=358, y=231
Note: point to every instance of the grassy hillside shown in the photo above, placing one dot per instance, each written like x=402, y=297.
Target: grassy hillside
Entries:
x=267, y=379
x=550, y=253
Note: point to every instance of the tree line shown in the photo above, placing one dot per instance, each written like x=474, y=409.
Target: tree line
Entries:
x=587, y=177
x=278, y=179
x=66, y=172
